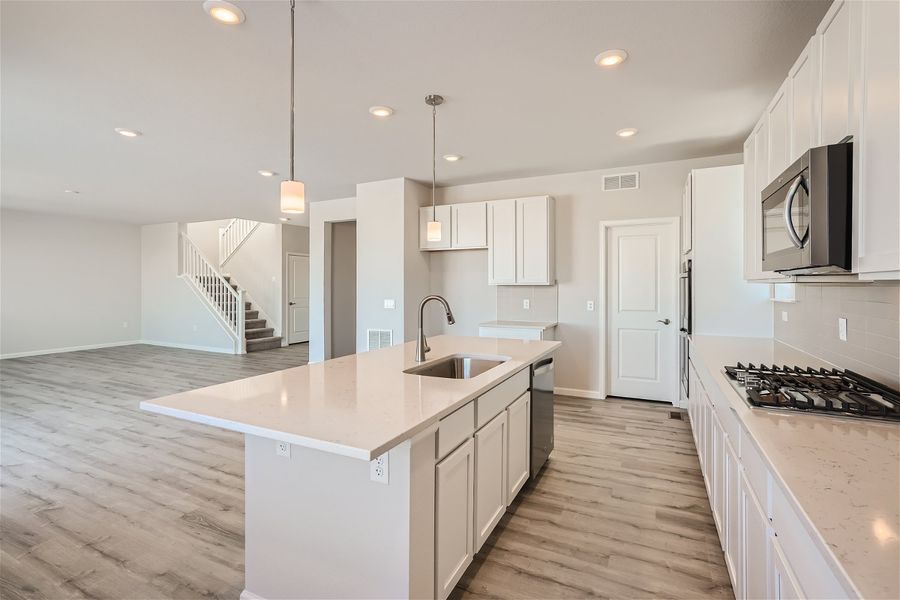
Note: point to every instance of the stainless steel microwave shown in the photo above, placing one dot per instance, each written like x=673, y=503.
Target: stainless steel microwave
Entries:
x=807, y=213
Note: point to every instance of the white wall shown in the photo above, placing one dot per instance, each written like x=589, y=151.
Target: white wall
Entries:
x=67, y=283
x=580, y=205
x=171, y=313
x=320, y=215
x=205, y=236
x=257, y=267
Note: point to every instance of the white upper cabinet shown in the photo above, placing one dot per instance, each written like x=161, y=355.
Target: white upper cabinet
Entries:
x=756, y=178
x=501, y=224
x=534, y=240
x=835, y=73
x=877, y=149
x=521, y=241
x=468, y=225
x=779, y=132
x=801, y=90
x=442, y=215
x=687, y=216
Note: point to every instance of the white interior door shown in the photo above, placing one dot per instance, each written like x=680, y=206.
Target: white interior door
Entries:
x=642, y=311
x=298, y=298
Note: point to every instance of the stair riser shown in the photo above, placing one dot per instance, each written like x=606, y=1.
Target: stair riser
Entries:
x=251, y=314
x=264, y=346
x=254, y=324
x=259, y=333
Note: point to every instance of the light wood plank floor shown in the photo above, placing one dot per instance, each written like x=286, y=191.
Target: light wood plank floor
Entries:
x=101, y=500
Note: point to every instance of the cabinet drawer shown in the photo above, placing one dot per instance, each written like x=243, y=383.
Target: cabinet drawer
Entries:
x=493, y=401
x=454, y=429
x=756, y=471
x=815, y=576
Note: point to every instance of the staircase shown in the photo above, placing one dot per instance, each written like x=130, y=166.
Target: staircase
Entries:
x=256, y=335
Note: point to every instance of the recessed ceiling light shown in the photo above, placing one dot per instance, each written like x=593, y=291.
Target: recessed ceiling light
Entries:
x=284, y=218
x=266, y=173
x=130, y=133
x=72, y=191
x=452, y=157
x=611, y=58
x=627, y=132
x=224, y=12
x=381, y=111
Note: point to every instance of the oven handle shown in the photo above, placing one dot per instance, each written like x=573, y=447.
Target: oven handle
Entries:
x=788, y=206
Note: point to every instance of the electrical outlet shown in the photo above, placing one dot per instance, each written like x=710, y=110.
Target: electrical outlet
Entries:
x=784, y=316
x=283, y=449
x=590, y=305
x=526, y=304
x=389, y=303
x=842, y=329
x=379, y=469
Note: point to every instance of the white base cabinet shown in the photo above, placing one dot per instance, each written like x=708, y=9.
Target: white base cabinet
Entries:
x=477, y=481
x=768, y=551
x=454, y=494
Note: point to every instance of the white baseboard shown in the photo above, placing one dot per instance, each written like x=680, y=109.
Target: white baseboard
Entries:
x=248, y=595
x=69, y=349
x=575, y=392
x=187, y=346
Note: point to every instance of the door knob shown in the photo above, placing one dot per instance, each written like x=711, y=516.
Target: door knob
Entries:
x=663, y=321
x=291, y=303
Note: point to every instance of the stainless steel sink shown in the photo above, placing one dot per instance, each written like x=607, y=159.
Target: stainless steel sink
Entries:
x=458, y=366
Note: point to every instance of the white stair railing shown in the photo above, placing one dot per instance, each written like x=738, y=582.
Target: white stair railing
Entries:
x=225, y=302
x=233, y=236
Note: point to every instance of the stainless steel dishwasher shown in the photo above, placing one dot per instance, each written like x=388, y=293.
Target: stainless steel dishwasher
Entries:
x=541, y=413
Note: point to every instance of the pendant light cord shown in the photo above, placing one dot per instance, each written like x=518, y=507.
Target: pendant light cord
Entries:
x=292, y=90
x=433, y=159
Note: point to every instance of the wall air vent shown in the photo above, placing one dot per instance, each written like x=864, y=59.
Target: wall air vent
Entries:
x=379, y=338
x=622, y=181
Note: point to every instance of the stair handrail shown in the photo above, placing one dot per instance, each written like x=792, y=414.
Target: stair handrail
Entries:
x=233, y=236
x=225, y=302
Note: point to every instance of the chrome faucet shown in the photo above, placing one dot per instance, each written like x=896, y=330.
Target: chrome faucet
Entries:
x=421, y=342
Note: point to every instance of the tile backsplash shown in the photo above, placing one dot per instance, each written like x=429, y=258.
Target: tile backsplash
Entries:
x=873, y=326
x=543, y=301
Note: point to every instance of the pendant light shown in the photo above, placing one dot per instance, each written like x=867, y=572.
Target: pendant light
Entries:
x=433, y=229
x=293, y=193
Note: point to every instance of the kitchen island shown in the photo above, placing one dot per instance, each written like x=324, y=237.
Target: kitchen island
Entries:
x=362, y=480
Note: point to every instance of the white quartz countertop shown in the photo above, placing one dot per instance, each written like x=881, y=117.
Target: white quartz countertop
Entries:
x=520, y=324
x=842, y=473
x=359, y=405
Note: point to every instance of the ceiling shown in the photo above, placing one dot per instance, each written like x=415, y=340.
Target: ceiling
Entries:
x=523, y=95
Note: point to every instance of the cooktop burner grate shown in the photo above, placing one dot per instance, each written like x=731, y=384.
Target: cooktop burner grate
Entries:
x=815, y=390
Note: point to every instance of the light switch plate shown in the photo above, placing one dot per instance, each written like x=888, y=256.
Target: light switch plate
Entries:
x=784, y=316
x=389, y=303
x=842, y=329
x=526, y=304
x=590, y=305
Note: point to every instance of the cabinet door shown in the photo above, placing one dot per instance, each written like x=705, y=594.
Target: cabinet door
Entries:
x=442, y=215
x=717, y=483
x=454, y=494
x=754, y=544
x=687, y=215
x=779, y=131
x=749, y=207
x=835, y=73
x=877, y=149
x=782, y=583
x=533, y=240
x=518, y=446
x=802, y=93
x=468, y=225
x=501, y=222
x=490, y=477
x=732, y=521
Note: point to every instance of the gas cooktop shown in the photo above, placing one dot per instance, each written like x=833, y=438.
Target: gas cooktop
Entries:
x=820, y=391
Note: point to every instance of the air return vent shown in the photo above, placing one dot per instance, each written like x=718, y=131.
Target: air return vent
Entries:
x=622, y=181
x=379, y=338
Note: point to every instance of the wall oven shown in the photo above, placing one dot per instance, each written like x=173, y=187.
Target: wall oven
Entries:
x=807, y=212
x=685, y=318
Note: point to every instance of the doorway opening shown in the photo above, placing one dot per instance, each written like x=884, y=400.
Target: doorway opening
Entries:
x=341, y=297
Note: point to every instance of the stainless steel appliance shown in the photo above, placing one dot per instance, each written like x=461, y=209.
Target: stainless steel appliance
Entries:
x=807, y=212
x=819, y=391
x=685, y=322
x=541, y=413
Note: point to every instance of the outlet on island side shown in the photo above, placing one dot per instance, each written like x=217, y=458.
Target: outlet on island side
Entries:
x=379, y=469
x=283, y=449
